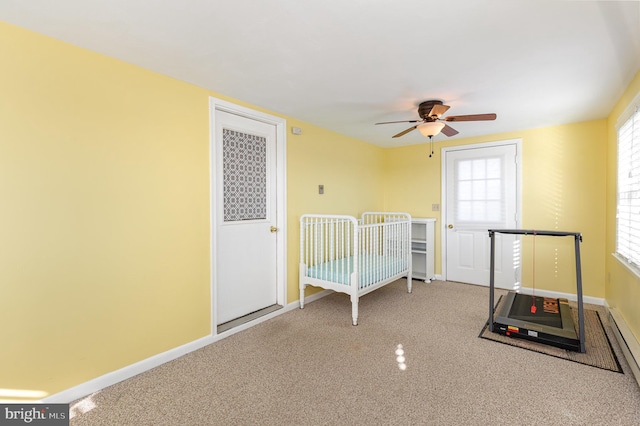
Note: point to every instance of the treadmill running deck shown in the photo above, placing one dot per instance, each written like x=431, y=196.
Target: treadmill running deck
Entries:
x=551, y=323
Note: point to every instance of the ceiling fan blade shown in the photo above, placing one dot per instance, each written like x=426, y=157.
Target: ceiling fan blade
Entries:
x=404, y=132
x=438, y=110
x=472, y=117
x=449, y=131
x=403, y=121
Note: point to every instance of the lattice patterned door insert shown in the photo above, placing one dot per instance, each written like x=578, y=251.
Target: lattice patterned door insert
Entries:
x=244, y=158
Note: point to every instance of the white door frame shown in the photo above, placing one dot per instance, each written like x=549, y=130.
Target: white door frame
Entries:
x=443, y=213
x=280, y=124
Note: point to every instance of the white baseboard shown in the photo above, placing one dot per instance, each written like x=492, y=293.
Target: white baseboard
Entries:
x=628, y=343
x=314, y=297
x=87, y=388
x=109, y=379
x=555, y=294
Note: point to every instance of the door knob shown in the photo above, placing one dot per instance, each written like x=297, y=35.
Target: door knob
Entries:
x=450, y=226
x=273, y=229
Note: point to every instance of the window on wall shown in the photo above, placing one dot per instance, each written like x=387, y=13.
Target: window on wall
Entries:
x=628, y=213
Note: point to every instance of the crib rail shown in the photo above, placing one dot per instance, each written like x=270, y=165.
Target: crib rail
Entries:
x=341, y=247
x=328, y=240
x=380, y=217
x=383, y=250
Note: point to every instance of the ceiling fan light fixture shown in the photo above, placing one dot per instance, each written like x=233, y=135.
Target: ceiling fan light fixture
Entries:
x=430, y=128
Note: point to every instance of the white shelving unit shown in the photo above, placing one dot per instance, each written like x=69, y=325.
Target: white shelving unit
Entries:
x=422, y=248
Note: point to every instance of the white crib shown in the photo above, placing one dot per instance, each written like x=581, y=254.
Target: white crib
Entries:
x=355, y=257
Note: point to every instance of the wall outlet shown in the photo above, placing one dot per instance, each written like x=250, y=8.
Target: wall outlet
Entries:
x=320, y=189
x=435, y=207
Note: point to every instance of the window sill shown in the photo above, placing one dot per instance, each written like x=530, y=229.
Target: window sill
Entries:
x=632, y=268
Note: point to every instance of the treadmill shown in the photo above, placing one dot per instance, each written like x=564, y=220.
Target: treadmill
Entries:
x=551, y=321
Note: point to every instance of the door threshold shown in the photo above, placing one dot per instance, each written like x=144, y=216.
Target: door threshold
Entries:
x=247, y=318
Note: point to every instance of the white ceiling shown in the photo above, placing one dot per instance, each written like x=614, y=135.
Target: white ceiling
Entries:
x=347, y=64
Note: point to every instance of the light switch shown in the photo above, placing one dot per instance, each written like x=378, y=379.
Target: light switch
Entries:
x=320, y=189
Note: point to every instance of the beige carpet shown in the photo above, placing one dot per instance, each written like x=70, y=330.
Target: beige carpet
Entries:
x=598, y=350
x=312, y=367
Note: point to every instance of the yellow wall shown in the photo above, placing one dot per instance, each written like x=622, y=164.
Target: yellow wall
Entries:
x=563, y=189
x=104, y=247
x=104, y=225
x=623, y=287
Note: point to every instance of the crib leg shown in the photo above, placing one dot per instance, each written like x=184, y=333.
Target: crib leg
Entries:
x=354, y=309
x=302, y=296
x=409, y=283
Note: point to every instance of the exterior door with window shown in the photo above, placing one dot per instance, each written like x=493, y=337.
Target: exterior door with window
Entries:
x=481, y=194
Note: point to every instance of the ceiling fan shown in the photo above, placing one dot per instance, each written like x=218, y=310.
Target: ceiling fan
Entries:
x=431, y=120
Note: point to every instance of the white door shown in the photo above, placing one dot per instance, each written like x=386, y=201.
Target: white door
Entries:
x=245, y=255
x=481, y=189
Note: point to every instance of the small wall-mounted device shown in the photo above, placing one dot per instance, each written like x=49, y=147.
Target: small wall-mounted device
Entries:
x=435, y=207
x=296, y=130
x=320, y=189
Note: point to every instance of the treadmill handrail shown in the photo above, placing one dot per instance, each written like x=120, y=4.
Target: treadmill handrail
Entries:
x=536, y=232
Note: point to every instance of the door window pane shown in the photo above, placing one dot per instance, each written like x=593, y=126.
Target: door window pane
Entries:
x=479, y=193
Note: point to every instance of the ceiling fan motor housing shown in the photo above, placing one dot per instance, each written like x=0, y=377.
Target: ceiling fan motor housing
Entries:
x=425, y=108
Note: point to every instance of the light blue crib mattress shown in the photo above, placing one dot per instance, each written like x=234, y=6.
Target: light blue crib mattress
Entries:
x=371, y=269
